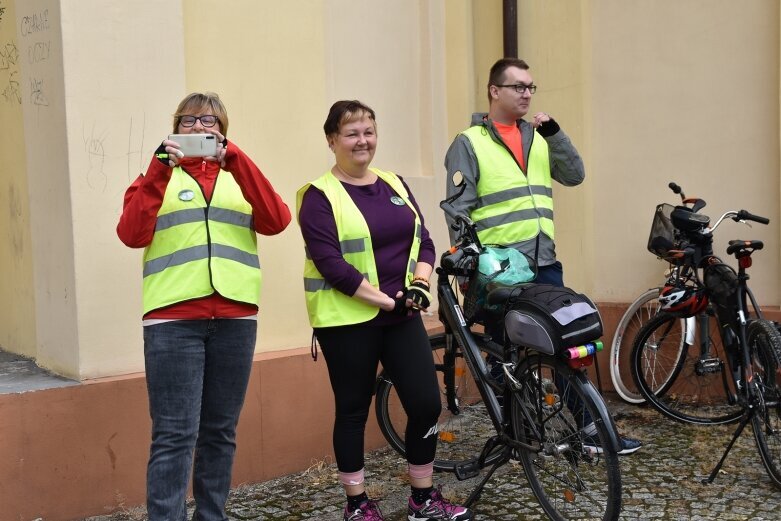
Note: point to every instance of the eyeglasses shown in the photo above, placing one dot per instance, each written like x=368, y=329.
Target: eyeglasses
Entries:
x=520, y=87
x=206, y=121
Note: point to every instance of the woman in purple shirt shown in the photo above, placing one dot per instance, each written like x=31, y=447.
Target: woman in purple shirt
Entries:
x=364, y=307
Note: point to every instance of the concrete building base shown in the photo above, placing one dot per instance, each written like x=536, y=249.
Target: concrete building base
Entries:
x=81, y=450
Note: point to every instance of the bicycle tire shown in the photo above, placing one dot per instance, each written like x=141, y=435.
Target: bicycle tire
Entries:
x=461, y=437
x=571, y=479
x=675, y=383
x=764, y=343
x=636, y=316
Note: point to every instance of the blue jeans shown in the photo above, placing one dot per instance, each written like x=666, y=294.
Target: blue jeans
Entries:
x=197, y=373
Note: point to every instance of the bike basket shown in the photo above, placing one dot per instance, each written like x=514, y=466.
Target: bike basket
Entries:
x=662, y=231
x=496, y=264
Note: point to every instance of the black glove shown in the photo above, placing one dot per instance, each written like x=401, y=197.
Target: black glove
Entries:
x=548, y=128
x=162, y=155
x=400, y=308
x=418, y=293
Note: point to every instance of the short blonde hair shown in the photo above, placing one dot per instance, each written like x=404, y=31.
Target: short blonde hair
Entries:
x=196, y=103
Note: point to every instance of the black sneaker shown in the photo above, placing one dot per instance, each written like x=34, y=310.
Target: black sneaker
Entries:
x=628, y=445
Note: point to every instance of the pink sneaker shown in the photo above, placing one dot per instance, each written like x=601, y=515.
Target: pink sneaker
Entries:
x=437, y=508
x=368, y=511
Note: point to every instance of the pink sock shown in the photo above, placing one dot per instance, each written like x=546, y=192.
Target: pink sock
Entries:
x=356, y=478
x=421, y=471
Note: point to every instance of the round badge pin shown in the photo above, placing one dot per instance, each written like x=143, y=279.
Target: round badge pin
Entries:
x=186, y=195
x=398, y=201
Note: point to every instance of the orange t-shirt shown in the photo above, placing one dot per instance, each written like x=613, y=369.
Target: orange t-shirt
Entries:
x=511, y=135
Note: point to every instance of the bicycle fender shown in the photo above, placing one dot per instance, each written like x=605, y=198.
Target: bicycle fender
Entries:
x=602, y=412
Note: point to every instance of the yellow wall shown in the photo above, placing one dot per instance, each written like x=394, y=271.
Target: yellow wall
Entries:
x=648, y=91
x=17, y=319
x=685, y=92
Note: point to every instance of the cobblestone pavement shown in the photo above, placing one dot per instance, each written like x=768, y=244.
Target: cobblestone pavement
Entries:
x=661, y=481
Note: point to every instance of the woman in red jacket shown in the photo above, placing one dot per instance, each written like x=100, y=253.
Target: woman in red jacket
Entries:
x=197, y=218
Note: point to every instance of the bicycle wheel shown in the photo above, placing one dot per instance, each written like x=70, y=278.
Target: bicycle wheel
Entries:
x=636, y=316
x=463, y=433
x=686, y=386
x=571, y=474
x=764, y=343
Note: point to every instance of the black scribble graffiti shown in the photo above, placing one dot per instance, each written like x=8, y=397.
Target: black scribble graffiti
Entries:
x=135, y=151
x=96, y=155
x=39, y=51
x=11, y=92
x=36, y=23
x=2, y=12
x=9, y=56
x=37, y=97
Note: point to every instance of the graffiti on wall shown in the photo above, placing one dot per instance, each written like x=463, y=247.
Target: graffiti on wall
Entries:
x=10, y=91
x=36, y=46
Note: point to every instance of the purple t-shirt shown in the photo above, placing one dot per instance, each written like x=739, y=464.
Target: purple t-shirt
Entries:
x=391, y=227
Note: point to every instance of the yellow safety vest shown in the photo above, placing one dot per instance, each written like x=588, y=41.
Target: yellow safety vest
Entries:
x=199, y=248
x=326, y=305
x=512, y=206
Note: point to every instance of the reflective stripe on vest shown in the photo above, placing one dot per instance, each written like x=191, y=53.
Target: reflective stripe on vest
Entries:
x=512, y=206
x=200, y=247
x=325, y=305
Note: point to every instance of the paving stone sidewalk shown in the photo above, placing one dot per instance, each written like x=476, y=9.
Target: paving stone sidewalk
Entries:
x=661, y=481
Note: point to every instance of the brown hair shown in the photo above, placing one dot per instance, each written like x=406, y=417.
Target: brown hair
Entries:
x=496, y=76
x=343, y=112
x=196, y=102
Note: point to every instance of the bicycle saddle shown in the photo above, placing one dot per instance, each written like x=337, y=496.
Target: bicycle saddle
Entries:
x=748, y=247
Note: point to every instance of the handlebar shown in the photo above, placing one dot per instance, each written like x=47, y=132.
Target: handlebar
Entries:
x=692, y=240
x=677, y=189
x=698, y=204
x=456, y=260
x=740, y=216
x=744, y=215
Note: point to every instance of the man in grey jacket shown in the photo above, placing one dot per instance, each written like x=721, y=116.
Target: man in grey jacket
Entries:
x=508, y=165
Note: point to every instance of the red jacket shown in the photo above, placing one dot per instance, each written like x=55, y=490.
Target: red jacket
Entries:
x=145, y=196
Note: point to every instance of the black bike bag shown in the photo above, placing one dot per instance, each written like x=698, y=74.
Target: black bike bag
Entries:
x=550, y=318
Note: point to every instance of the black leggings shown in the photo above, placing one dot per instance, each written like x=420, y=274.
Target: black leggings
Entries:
x=352, y=354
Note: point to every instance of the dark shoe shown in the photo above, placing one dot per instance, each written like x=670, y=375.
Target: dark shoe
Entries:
x=437, y=508
x=368, y=511
x=628, y=445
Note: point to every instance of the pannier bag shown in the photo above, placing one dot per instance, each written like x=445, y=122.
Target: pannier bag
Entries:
x=550, y=319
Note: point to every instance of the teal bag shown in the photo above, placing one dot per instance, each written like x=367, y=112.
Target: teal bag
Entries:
x=495, y=264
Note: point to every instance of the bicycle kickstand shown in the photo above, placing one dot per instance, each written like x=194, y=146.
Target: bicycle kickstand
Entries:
x=735, y=437
x=475, y=495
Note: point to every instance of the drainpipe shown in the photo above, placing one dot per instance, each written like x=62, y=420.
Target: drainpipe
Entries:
x=510, y=28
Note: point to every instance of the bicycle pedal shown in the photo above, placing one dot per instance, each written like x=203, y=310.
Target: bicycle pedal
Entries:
x=467, y=470
x=708, y=366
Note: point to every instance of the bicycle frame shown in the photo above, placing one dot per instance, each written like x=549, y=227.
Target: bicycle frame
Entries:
x=457, y=328
x=737, y=343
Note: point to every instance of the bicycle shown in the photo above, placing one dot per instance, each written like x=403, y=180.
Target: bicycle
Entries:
x=638, y=314
x=504, y=402
x=727, y=371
